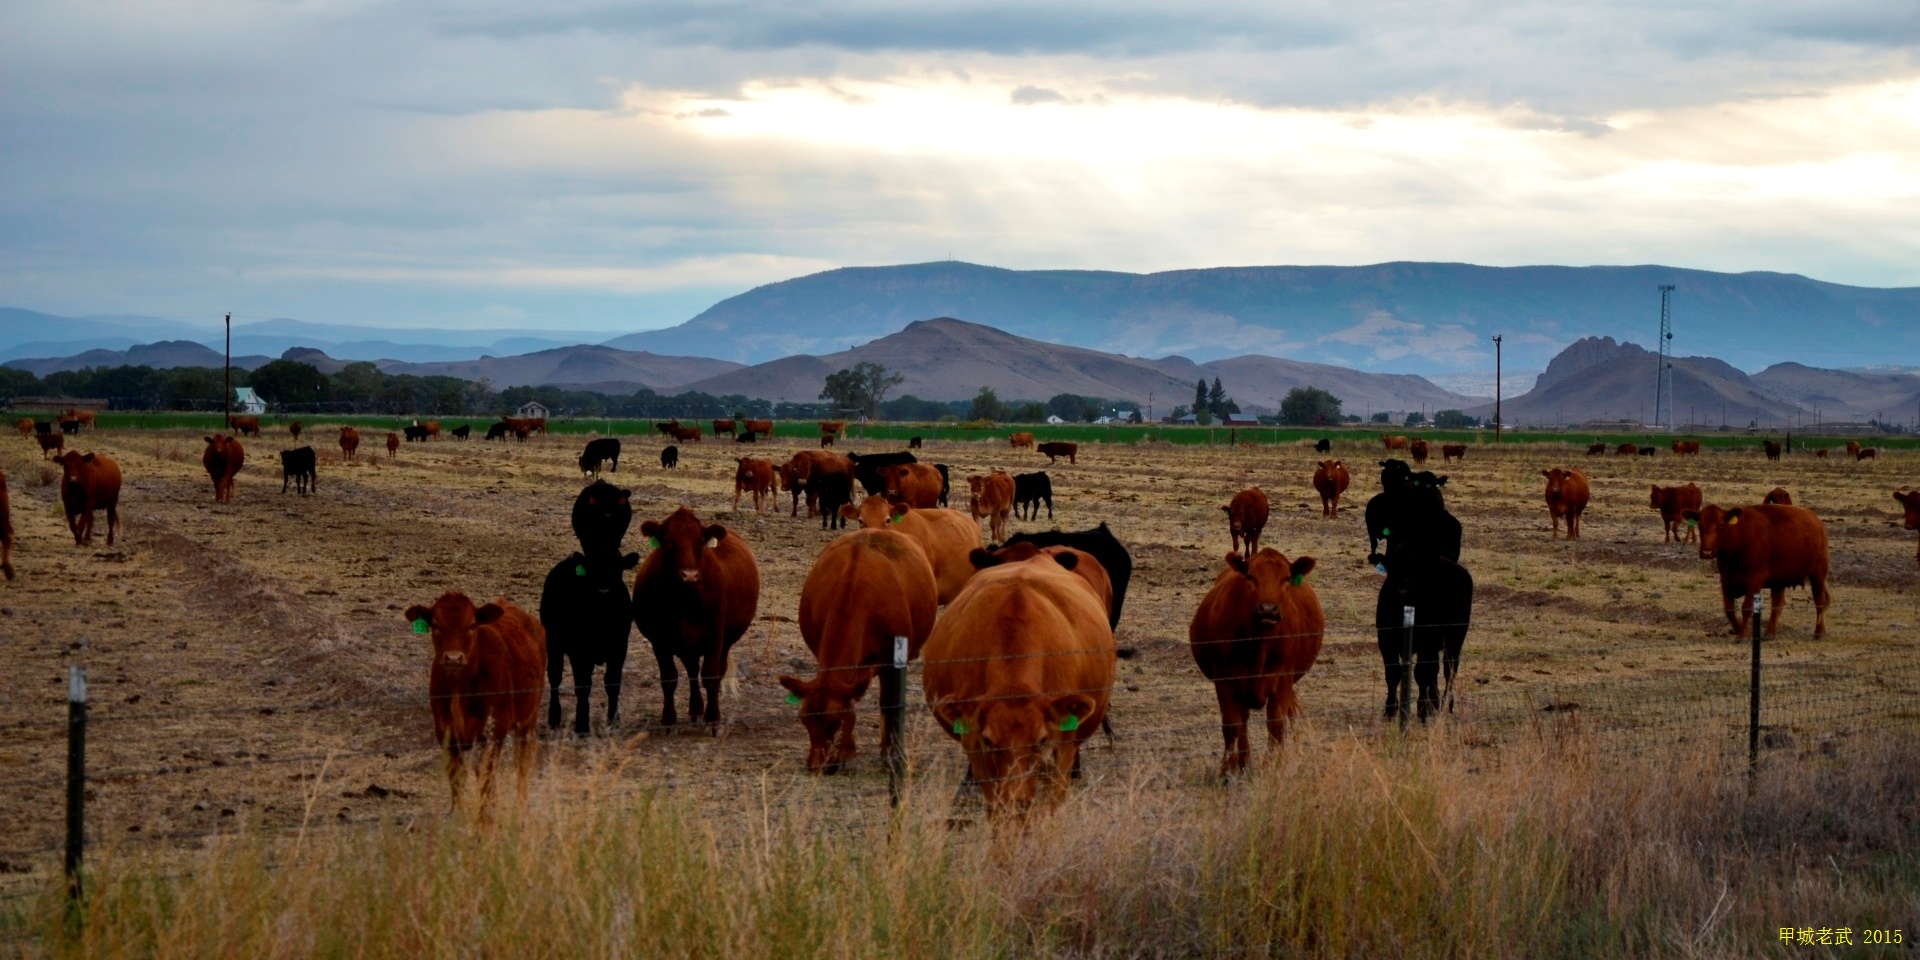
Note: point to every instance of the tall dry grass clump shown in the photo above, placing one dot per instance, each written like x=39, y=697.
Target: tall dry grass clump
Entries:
x=1345, y=848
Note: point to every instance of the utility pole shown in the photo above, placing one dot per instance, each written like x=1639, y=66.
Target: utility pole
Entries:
x=1497, y=425
x=226, y=401
x=1663, y=380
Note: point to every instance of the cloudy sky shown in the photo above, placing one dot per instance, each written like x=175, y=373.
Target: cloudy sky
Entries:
x=620, y=166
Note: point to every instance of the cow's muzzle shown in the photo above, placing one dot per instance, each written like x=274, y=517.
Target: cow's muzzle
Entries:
x=689, y=575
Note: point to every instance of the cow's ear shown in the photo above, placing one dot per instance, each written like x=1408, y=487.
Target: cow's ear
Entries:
x=1067, y=560
x=86, y=458
x=488, y=613
x=1237, y=562
x=715, y=533
x=897, y=509
x=849, y=511
x=1656, y=489
x=982, y=559
x=419, y=616
x=651, y=529
x=1301, y=567
x=1733, y=516
x=1069, y=712
x=1339, y=463
x=796, y=685
x=952, y=720
x=207, y=439
x=1547, y=473
x=1691, y=516
x=1227, y=510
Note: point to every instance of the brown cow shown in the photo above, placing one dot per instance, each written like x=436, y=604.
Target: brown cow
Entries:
x=1820, y=454
x=294, y=429
x=1778, y=495
x=917, y=485
x=868, y=587
x=1393, y=443
x=724, y=426
x=1853, y=449
x=1330, y=480
x=89, y=482
x=1596, y=449
x=1018, y=440
x=1567, y=494
x=1418, y=449
x=1911, y=501
x=1019, y=672
x=6, y=529
x=992, y=498
x=826, y=440
x=223, y=459
x=84, y=417
x=52, y=443
x=756, y=477
x=1452, y=451
x=1627, y=450
x=26, y=426
x=764, y=428
x=1057, y=448
x=246, y=426
x=949, y=538
x=1772, y=449
x=433, y=429
x=1688, y=448
x=1765, y=547
x=1246, y=517
x=798, y=473
x=693, y=598
x=685, y=434
x=484, y=685
x=1866, y=453
x=349, y=443
x=1673, y=503
x=393, y=444
x=833, y=428
x=1255, y=635
x=1085, y=566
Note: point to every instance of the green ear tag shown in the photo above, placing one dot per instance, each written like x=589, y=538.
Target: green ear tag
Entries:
x=1299, y=578
x=653, y=543
x=1070, y=724
x=1693, y=523
x=420, y=625
x=793, y=697
x=1386, y=531
x=960, y=727
x=579, y=569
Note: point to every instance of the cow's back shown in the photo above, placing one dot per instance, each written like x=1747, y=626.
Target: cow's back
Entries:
x=1028, y=628
x=1778, y=544
x=867, y=587
x=949, y=537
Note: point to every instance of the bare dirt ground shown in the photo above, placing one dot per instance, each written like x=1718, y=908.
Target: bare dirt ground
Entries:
x=250, y=668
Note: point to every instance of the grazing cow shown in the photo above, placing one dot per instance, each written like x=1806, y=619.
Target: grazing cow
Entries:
x=26, y=426
x=539, y=425
x=1647, y=451
x=992, y=498
x=1418, y=449
x=52, y=443
x=1597, y=450
x=670, y=457
x=223, y=459
x=1853, y=449
x=293, y=429
x=1393, y=443
x=6, y=530
x=1018, y=440
x=349, y=443
x=585, y=607
x=913, y=443
x=1256, y=633
x=415, y=433
x=462, y=431
x=85, y=417
x=763, y=428
x=393, y=444
x=246, y=426
x=600, y=450
x=1450, y=452
x=1028, y=490
x=831, y=491
x=1673, y=503
x=686, y=434
x=755, y=477
x=69, y=427
x=1019, y=672
x=745, y=436
x=1098, y=543
x=1626, y=450
x=826, y=440
x=1057, y=449
x=1324, y=445
x=946, y=486
x=89, y=482
x=668, y=427
x=1686, y=448
x=1567, y=496
x=496, y=431
x=833, y=427
x=867, y=588
x=301, y=466
x=1911, y=502
x=1246, y=518
x=1866, y=453
x=694, y=597
x=726, y=427
x=949, y=538
x=1778, y=495
x=1765, y=547
x=1084, y=566
x=1330, y=480
x=1421, y=563
x=42, y=427
x=1772, y=449
x=433, y=429
x=867, y=469
x=915, y=484
x=521, y=427
x=484, y=685
x=1820, y=454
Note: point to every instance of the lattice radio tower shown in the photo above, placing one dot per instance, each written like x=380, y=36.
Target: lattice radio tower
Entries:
x=1663, y=382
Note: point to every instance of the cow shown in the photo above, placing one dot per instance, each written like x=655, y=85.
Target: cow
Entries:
x=915, y=484
x=745, y=436
x=755, y=477
x=1853, y=449
x=992, y=498
x=223, y=458
x=462, y=432
x=42, y=427
x=1084, y=566
x=946, y=484
x=246, y=426
x=25, y=424
x=1418, y=449
x=1393, y=443
x=804, y=471
x=522, y=427
x=293, y=429
x=539, y=425
x=1057, y=449
x=585, y=607
x=433, y=429
x=948, y=537
x=84, y=418
x=1323, y=445
x=1028, y=490
x=913, y=443
x=1567, y=495
x=600, y=450
x=832, y=428
x=763, y=428
x=1018, y=440
x=1597, y=450
x=866, y=588
x=1647, y=451
x=393, y=444
x=1627, y=450
x=669, y=457
x=667, y=427
x=1423, y=573
x=1866, y=453
x=867, y=469
x=1772, y=449
x=1778, y=495
x=89, y=482
x=1765, y=547
x=69, y=427
x=1673, y=503
x=1255, y=634
x=496, y=431
x=831, y=491
x=484, y=684
x=1450, y=452
x=725, y=426
x=6, y=530
x=1098, y=543
x=301, y=466
x=349, y=443
x=686, y=434
x=826, y=440
x=1910, y=501
x=1330, y=480
x=1686, y=448
x=694, y=597
x=52, y=443
x=1019, y=671
x=415, y=433
x=1246, y=518
x=1820, y=454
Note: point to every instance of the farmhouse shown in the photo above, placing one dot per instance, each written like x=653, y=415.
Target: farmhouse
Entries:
x=531, y=410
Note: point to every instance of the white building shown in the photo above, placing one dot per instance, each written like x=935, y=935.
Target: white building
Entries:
x=532, y=409
x=246, y=401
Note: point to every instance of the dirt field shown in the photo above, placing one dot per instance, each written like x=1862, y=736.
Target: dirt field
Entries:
x=250, y=669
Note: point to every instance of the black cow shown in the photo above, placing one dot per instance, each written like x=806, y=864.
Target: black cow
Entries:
x=668, y=427
x=1423, y=572
x=1102, y=545
x=946, y=482
x=497, y=431
x=670, y=457
x=832, y=491
x=585, y=606
x=299, y=467
x=746, y=436
x=415, y=432
x=913, y=443
x=69, y=427
x=598, y=450
x=43, y=427
x=1323, y=446
x=463, y=431
x=866, y=469
x=1028, y=490
x=1646, y=451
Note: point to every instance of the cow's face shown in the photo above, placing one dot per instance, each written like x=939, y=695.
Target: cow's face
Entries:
x=874, y=512
x=454, y=624
x=1556, y=482
x=1715, y=525
x=826, y=711
x=1010, y=742
x=892, y=476
x=1911, y=501
x=73, y=465
x=1270, y=574
x=685, y=541
x=1659, y=500
x=601, y=515
x=1394, y=473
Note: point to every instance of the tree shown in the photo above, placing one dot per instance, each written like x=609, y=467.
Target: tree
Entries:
x=1309, y=406
x=1135, y=417
x=1200, y=402
x=1416, y=418
x=1029, y=412
x=1454, y=420
x=1382, y=417
x=986, y=406
x=863, y=388
x=290, y=381
x=1218, y=403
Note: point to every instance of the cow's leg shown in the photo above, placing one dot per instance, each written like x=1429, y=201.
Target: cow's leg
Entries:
x=456, y=774
x=582, y=661
x=1036, y=508
x=1736, y=616
x=1426, y=676
x=1390, y=643
x=616, y=670
x=669, y=683
x=1773, y=615
x=556, y=665
x=526, y=749
x=1233, y=730
x=1821, y=598
x=1556, y=525
x=716, y=667
x=696, y=700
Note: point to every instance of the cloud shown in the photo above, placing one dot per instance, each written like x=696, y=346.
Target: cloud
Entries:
x=1027, y=94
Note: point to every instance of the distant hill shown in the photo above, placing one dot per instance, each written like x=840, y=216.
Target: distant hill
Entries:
x=582, y=366
x=163, y=355
x=948, y=359
x=1427, y=318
